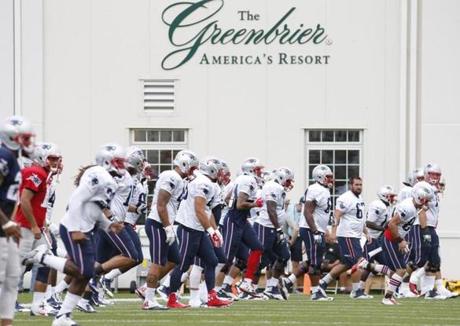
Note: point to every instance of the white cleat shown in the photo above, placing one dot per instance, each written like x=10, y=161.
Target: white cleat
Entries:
x=361, y=295
x=445, y=292
x=390, y=301
x=43, y=309
x=247, y=287
x=153, y=305
x=434, y=295
x=35, y=256
x=64, y=320
x=320, y=296
x=197, y=303
x=84, y=306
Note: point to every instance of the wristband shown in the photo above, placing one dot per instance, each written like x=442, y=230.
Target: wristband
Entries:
x=8, y=224
x=210, y=230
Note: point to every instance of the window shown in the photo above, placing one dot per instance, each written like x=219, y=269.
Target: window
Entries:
x=159, y=94
x=160, y=146
x=339, y=149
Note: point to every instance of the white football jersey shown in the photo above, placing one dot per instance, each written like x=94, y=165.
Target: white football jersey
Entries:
x=138, y=197
x=378, y=213
x=352, y=221
x=219, y=200
x=274, y=192
x=203, y=187
x=404, y=193
x=408, y=214
x=82, y=212
x=432, y=213
x=323, y=210
x=173, y=183
x=119, y=203
x=50, y=198
x=247, y=184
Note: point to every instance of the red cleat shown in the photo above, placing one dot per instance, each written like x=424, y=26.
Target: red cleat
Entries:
x=215, y=301
x=413, y=288
x=174, y=303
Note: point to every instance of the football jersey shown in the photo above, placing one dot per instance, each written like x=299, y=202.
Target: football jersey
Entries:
x=119, y=203
x=407, y=213
x=432, y=213
x=171, y=182
x=377, y=213
x=50, y=198
x=202, y=187
x=246, y=184
x=82, y=212
x=404, y=193
x=33, y=179
x=9, y=169
x=274, y=192
x=225, y=192
x=352, y=221
x=321, y=196
x=138, y=198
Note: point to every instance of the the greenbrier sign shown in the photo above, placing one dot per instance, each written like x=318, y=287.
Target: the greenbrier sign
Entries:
x=184, y=17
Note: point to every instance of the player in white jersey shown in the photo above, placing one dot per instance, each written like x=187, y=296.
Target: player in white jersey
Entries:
x=413, y=177
x=84, y=212
x=313, y=227
x=348, y=229
x=268, y=227
x=129, y=202
x=393, y=244
x=377, y=218
x=164, y=251
x=197, y=232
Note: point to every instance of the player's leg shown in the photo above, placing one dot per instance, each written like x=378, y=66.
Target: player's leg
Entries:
x=9, y=276
x=250, y=239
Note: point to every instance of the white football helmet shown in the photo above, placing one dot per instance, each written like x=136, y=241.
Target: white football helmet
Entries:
x=111, y=157
x=422, y=193
x=387, y=194
x=135, y=158
x=210, y=166
x=323, y=175
x=186, y=161
x=224, y=174
x=285, y=177
x=432, y=173
x=252, y=166
x=17, y=133
x=48, y=154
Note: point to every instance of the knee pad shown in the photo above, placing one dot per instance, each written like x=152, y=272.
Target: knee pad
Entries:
x=42, y=274
x=240, y=264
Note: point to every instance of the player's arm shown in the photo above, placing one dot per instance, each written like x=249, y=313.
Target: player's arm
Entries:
x=227, y=198
x=374, y=226
x=337, y=216
x=243, y=201
x=393, y=227
x=308, y=210
x=212, y=221
x=271, y=209
x=26, y=206
x=162, y=203
x=10, y=228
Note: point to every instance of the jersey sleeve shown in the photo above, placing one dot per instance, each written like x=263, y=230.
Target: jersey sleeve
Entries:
x=270, y=193
x=374, y=212
x=312, y=195
x=32, y=180
x=247, y=186
x=342, y=204
x=201, y=189
x=168, y=183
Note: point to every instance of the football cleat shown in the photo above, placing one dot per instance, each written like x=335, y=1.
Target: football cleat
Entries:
x=247, y=287
x=20, y=308
x=225, y=292
x=53, y=303
x=84, y=306
x=106, y=286
x=434, y=295
x=360, y=294
x=273, y=293
x=153, y=305
x=64, y=320
x=284, y=290
x=174, y=303
x=163, y=291
x=320, y=296
x=43, y=309
x=215, y=301
x=390, y=301
x=35, y=256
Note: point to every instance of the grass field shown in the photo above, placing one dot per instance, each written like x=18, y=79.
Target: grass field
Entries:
x=299, y=310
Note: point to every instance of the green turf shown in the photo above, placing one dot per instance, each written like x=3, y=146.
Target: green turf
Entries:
x=299, y=310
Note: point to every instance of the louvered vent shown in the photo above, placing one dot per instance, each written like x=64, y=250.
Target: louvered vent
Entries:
x=159, y=94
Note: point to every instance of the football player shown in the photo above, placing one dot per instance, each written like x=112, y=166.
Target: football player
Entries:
x=95, y=189
x=313, y=228
x=238, y=232
x=197, y=232
x=16, y=134
x=31, y=216
x=164, y=249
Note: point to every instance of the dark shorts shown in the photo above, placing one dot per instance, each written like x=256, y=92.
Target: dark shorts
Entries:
x=81, y=253
x=136, y=241
x=296, y=250
x=111, y=244
x=373, y=251
x=314, y=251
x=237, y=234
x=273, y=250
x=394, y=259
x=350, y=250
x=160, y=251
x=422, y=252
